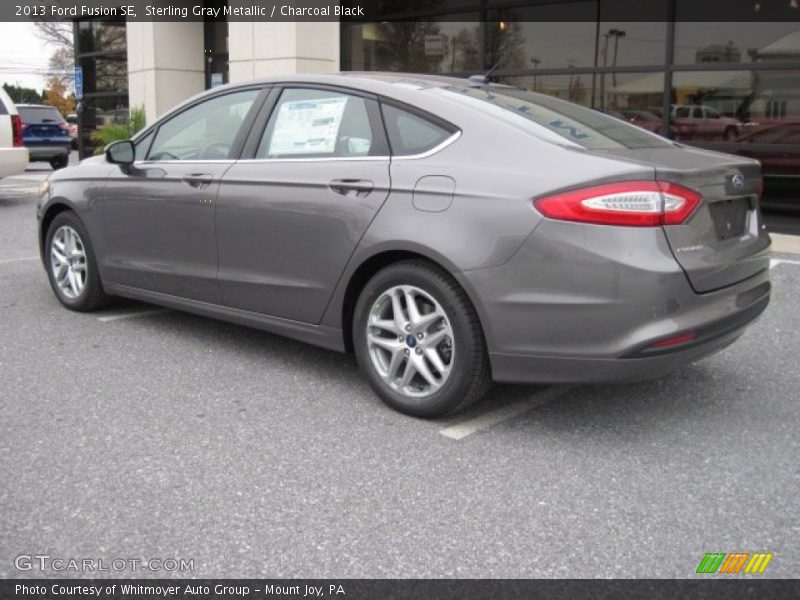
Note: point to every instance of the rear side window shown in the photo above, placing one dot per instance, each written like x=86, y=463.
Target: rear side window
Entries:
x=315, y=123
x=3, y=109
x=411, y=134
x=576, y=124
x=38, y=115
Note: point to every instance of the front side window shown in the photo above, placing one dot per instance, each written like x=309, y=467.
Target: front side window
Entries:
x=205, y=131
x=143, y=145
x=314, y=123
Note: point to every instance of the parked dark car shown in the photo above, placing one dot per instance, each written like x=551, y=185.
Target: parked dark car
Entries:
x=448, y=232
x=46, y=134
x=775, y=146
x=644, y=119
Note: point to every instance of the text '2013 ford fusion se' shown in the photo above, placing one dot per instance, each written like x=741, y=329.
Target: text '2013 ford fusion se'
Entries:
x=449, y=232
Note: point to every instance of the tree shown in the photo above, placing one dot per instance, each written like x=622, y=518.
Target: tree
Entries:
x=55, y=95
x=58, y=34
x=22, y=95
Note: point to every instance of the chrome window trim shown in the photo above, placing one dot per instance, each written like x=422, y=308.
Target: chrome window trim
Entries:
x=317, y=159
x=221, y=161
x=438, y=148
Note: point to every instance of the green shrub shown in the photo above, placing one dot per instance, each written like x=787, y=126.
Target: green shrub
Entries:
x=113, y=132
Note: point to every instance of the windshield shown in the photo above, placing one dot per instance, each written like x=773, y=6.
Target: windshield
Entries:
x=582, y=126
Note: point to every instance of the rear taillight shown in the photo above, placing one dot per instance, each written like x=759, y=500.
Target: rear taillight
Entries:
x=631, y=203
x=16, y=130
x=64, y=126
x=760, y=188
x=676, y=340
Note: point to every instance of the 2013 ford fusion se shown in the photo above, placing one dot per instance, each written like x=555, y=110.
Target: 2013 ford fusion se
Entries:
x=449, y=232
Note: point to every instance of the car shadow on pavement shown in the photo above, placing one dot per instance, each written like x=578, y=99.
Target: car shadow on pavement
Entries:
x=629, y=409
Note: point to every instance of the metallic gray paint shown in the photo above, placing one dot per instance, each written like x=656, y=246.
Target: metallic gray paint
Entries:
x=268, y=243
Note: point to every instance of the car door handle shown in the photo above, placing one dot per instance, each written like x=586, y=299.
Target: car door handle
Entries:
x=198, y=180
x=351, y=187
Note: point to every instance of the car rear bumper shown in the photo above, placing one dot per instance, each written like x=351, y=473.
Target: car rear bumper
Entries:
x=520, y=368
x=47, y=152
x=13, y=161
x=583, y=304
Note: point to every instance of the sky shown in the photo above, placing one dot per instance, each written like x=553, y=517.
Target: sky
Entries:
x=23, y=56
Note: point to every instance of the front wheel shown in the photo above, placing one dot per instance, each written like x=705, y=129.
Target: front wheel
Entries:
x=418, y=339
x=72, y=266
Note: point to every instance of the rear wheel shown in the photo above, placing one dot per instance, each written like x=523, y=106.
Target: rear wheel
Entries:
x=72, y=266
x=59, y=162
x=418, y=339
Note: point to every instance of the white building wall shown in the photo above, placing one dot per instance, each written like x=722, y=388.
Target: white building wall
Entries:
x=165, y=64
x=262, y=49
x=165, y=60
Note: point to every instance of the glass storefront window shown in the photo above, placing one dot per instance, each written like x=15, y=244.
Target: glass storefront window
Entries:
x=634, y=97
x=553, y=36
x=576, y=88
x=101, y=36
x=416, y=46
x=100, y=48
x=736, y=106
x=105, y=73
x=626, y=43
x=710, y=43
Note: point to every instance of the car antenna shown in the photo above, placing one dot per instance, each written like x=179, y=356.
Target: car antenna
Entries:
x=484, y=78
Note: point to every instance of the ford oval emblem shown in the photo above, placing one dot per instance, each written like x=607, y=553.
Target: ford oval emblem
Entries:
x=737, y=180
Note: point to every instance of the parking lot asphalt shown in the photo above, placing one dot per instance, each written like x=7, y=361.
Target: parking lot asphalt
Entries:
x=136, y=433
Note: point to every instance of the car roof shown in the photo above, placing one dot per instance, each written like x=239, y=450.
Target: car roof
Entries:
x=376, y=82
x=35, y=106
x=398, y=86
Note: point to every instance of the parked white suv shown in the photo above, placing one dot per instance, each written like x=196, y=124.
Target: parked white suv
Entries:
x=13, y=155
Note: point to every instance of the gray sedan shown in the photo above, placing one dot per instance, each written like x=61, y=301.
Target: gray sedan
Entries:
x=448, y=232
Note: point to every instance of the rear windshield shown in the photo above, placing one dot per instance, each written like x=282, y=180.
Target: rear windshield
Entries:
x=37, y=115
x=588, y=128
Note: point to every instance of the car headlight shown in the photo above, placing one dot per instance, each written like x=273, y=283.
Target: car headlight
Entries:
x=44, y=189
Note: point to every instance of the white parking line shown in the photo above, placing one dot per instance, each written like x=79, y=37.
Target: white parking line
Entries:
x=132, y=315
x=774, y=262
x=466, y=428
x=6, y=261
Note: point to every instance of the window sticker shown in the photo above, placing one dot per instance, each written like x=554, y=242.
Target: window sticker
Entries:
x=307, y=126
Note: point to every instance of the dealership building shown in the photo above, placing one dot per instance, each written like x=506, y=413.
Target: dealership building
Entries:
x=728, y=85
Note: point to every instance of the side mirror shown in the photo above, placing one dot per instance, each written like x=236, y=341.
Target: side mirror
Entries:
x=122, y=153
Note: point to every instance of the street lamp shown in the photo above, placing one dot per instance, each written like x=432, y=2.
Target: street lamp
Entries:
x=616, y=34
x=535, y=60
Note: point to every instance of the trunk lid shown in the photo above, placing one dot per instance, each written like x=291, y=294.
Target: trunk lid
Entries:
x=42, y=123
x=724, y=241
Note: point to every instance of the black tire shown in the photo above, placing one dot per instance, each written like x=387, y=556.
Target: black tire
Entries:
x=730, y=134
x=92, y=296
x=470, y=375
x=59, y=162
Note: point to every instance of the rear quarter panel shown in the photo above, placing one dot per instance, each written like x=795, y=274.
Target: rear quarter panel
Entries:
x=498, y=170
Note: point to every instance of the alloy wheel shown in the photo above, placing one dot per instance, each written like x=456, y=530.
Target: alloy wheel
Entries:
x=410, y=341
x=68, y=262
